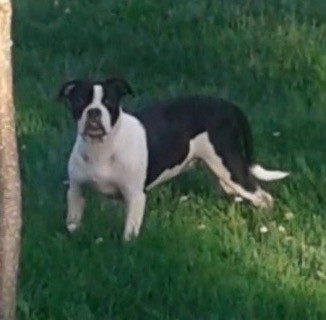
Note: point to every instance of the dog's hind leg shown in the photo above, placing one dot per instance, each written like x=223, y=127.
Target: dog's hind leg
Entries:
x=226, y=188
x=231, y=184
x=231, y=169
x=76, y=204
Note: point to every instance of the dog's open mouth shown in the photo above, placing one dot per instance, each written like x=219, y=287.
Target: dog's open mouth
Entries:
x=94, y=129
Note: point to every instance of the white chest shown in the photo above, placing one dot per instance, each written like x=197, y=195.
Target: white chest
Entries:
x=116, y=165
x=99, y=175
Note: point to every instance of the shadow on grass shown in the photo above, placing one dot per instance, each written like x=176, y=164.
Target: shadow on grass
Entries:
x=175, y=274
x=173, y=271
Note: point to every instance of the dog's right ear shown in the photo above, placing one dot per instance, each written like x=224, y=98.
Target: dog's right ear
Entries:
x=67, y=89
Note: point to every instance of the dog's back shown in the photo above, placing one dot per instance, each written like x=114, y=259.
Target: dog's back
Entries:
x=171, y=125
x=192, y=114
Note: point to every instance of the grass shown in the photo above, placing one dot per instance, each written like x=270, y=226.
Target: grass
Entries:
x=199, y=256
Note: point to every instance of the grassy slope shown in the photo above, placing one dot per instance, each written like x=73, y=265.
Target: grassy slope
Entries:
x=203, y=258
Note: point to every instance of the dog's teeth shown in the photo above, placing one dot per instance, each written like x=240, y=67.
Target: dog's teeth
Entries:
x=72, y=227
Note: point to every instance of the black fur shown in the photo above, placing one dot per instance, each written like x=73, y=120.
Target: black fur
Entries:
x=170, y=125
x=79, y=94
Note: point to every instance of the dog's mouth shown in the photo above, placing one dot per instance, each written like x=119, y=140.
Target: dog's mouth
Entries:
x=94, y=129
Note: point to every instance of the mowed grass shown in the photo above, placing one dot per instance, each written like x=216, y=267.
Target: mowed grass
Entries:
x=199, y=256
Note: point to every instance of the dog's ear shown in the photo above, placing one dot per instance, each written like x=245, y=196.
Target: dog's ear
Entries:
x=119, y=87
x=67, y=89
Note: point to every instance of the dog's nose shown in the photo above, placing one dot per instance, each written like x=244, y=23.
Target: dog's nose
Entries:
x=94, y=113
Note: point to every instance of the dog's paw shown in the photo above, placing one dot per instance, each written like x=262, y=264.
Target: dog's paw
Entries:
x=238, y=199
x=263, y=200
x=72, y=227
x=127, y=237
x=130, y=235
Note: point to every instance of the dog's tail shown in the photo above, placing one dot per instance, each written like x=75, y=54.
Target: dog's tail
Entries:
x=267, y=175
x=257, y=170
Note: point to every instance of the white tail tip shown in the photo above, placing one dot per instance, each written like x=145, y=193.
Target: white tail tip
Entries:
x=267, y=175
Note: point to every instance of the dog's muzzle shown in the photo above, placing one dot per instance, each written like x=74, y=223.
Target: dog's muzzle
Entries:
x=93, y=125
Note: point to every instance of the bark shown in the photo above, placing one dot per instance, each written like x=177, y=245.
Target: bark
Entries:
x=10, y=194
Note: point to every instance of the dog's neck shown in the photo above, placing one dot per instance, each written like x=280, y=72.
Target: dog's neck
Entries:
x=100, y=149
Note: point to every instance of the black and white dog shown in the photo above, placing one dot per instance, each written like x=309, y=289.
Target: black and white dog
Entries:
x=125, y=154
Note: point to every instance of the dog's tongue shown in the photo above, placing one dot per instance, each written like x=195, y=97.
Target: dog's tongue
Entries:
x=93, y=125
x=94, y=128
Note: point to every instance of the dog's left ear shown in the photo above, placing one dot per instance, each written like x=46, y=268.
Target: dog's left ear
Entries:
x=67, y=89
x=119, y=87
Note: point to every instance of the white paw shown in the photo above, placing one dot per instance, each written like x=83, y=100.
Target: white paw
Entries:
x=238, y=199
x=127, y=236
x=130, y=234
x=72, y=227
x=263, y=200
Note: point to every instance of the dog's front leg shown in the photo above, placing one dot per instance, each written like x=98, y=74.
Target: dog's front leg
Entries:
x=76, y=204
x=135, y=209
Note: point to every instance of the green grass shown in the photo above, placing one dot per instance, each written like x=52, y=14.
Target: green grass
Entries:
x=203, y=258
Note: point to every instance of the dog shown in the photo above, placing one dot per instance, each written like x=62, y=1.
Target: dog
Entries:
x=125, y=154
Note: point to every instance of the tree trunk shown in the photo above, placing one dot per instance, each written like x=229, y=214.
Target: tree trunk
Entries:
x=10, y=194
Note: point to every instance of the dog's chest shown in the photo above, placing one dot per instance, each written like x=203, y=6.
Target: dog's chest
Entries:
x=101, y=176
x=101, y=179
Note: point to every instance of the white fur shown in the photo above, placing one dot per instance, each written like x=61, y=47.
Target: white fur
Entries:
x=96, y=103
x=117, y=164
x=267, y=175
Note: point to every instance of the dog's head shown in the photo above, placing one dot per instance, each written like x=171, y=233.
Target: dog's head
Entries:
x=95, y=106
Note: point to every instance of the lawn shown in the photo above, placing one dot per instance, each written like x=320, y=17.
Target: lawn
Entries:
x=199, y=256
